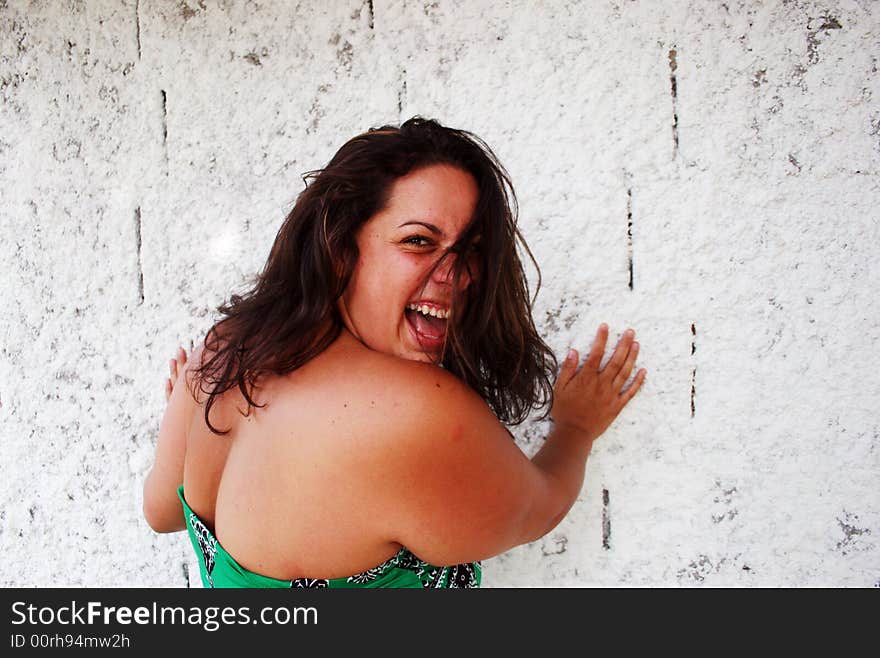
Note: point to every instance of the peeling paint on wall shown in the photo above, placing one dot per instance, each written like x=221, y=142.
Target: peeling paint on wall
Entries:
x=851, y=534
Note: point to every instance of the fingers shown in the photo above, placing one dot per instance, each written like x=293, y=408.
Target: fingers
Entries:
x=594, y=359
x=626, y=369
x=569, y=366
x=175, y=366
x=618, y=368
x=626, y=395
x=612, y=368
x=177, y=363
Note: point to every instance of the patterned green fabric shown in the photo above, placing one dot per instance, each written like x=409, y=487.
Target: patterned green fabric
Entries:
x=219, y=569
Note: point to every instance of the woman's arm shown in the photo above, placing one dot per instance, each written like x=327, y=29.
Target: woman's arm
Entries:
x=586, y=402
x=460, y=490
x=162, y=508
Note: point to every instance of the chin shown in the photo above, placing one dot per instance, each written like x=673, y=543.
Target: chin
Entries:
x=421, y=355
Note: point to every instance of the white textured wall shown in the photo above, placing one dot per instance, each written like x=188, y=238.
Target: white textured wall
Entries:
x=149, y=150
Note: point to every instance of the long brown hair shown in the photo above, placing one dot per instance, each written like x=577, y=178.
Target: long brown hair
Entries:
x=290, y=315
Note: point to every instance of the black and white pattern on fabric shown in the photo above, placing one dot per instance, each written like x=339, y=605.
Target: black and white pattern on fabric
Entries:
x=424, y=572
x=367, y=576
x=309, y=583
x=406, y=560
x=436, y=578
x=374, y=573
x=463, y=575
x=207, y=544
x=460, y=575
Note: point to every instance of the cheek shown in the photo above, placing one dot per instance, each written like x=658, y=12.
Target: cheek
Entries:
x=387, y=280
x=409, y=272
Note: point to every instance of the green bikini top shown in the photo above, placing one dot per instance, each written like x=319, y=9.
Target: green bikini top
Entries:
x=219, y=569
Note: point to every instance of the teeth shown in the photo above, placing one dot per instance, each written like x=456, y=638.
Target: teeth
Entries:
x=424, y=309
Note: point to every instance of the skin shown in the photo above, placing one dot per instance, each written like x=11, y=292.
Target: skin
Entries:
x=362, y=450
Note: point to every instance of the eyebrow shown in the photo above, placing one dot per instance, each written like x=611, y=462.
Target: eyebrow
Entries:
x=430, y=227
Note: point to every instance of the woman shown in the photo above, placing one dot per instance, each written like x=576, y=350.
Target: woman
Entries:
x=342, y=426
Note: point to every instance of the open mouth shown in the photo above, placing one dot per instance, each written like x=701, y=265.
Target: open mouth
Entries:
x=428, y=324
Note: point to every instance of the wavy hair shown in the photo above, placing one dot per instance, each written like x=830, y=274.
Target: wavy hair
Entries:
x=290, y=314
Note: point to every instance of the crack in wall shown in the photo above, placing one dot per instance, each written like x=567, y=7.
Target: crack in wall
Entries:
x=137, y=15
x=401, y=96
x=673, y=66
x=606, y=521
x=629, y=224
x=165, y=128
x=370, y=10
x=694, y=371
x=140, y=270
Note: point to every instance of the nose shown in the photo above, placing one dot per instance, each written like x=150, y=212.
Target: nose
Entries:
x=443, y=273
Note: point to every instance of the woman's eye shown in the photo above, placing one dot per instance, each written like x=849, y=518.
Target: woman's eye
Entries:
x=417, y=240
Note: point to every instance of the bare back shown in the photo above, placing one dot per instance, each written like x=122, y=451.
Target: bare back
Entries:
x=282, y=491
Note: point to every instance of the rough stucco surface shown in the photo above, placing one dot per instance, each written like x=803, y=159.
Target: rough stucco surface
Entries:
x=704, y=172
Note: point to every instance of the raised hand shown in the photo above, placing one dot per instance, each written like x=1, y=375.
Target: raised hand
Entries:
x=588, y=399
x=175, y=365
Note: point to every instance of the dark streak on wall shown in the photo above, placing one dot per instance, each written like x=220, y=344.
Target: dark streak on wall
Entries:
x=694, y=371
x=629, y=233
x=137, y=230
x=165, y=128
x=401, y=95
x=673, y=66
x=370, y=9
x=186, y=574
x=606, y=521
x=137, y=15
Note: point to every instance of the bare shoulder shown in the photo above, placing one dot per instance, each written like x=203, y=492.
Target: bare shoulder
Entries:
x=411, y=393
x=433, y=456
x=420, y=454
x=399, y=410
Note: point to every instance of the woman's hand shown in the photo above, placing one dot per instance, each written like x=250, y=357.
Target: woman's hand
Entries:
x=589, y=399
x=175, y=365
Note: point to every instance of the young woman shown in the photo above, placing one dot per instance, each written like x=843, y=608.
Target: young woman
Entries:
x=343, y=426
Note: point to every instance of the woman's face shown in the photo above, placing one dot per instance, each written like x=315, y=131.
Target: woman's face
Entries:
x=389, y=304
